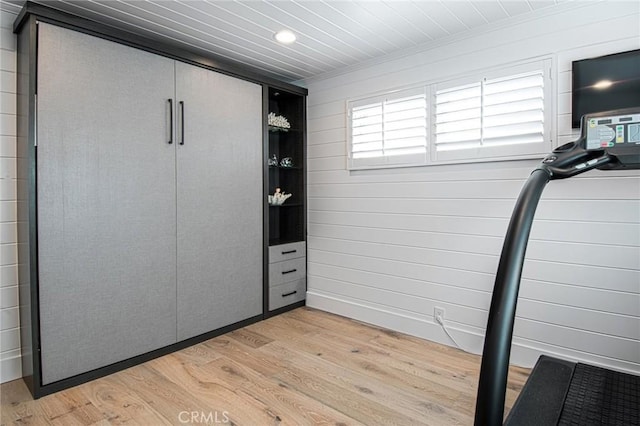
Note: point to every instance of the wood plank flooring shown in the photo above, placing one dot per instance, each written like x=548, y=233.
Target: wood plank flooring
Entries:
x=305, y=367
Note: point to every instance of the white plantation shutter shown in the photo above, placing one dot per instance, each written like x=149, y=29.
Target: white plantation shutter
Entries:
x=503, y=113
x=389, y=130
x=493, y=116
x=459, y=117
x=366, y=131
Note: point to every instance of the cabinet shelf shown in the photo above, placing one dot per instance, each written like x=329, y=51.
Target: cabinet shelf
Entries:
x=286, y=205
x=280, y=241
x=284, y=168
x=279, y=130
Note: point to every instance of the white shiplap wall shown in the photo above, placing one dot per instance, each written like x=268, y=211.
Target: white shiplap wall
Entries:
x=388, y=246
x=10, y=367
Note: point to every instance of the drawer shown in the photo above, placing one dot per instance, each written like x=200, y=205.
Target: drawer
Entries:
x=289, y=270
x=287, y=251
x=286, y=294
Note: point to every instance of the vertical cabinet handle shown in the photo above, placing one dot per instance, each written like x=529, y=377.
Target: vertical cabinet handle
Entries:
x=182, y=122
x=170, y=121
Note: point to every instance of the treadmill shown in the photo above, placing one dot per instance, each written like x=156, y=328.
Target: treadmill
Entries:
x=558, y=392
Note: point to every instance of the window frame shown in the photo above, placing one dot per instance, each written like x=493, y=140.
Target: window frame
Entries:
x=546, y=63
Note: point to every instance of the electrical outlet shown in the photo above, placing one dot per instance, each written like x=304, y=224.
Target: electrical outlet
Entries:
x=438, y=315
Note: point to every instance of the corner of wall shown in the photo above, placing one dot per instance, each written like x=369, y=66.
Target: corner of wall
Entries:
x=10, y=361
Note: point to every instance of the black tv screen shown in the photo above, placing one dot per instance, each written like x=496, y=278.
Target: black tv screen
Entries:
x=605, y=83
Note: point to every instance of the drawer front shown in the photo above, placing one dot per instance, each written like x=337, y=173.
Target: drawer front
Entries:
x=288, y=293
x=287, y=251
x=289, y=270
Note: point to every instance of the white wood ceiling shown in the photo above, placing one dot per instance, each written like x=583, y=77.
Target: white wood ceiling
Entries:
x=331, y=34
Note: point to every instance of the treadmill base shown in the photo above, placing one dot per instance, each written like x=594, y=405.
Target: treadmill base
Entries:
x=563, y=393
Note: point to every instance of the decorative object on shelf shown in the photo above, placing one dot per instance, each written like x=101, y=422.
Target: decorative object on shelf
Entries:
x=278, y=197
x=278, y=122
x=286, y=162
x=273, y=160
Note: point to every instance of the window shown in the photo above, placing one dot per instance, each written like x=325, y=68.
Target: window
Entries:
x=501, y=114
x=388, y=130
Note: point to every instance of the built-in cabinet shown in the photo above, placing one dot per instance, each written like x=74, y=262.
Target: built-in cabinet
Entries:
x=141, y=199
x=149, y=202
x=286, y=122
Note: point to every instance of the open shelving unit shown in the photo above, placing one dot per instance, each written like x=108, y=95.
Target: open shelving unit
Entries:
x=286, y=222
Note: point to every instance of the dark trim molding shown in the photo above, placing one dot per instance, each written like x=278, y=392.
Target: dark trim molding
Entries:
x=173, y=51
x=265, y=205
x=118, y=366
x=291, y=307
x=304, y=178
x=26, y=206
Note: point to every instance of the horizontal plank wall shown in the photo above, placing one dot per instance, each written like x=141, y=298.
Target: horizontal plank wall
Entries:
x=387, y=246
x=10, y=366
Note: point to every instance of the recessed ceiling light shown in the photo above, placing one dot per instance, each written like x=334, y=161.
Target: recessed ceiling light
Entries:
x=603, y=84
x=285, y=37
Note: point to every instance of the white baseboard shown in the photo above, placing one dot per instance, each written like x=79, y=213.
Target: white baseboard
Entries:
x=10, y=366
x=524, y=352
x=396, y=320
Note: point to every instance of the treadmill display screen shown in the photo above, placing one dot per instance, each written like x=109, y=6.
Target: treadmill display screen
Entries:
x=615, y=130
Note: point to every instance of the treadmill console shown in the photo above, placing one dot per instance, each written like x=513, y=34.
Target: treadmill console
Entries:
x=609, y=141
x=612, y=131
x=617, y=133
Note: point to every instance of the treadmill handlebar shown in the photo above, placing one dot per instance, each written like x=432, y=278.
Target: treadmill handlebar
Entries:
x=497, y=343
x=572, y=159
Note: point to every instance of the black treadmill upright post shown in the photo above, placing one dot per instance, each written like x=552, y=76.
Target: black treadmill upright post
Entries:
x=497, y=344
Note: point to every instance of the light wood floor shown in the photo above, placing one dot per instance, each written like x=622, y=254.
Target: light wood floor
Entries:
x=300, y=368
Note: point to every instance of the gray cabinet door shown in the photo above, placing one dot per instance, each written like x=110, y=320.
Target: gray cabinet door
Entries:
x=106, y=202
x=220, y=200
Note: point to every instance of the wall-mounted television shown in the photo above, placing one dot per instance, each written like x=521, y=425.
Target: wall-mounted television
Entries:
x=605, y=83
